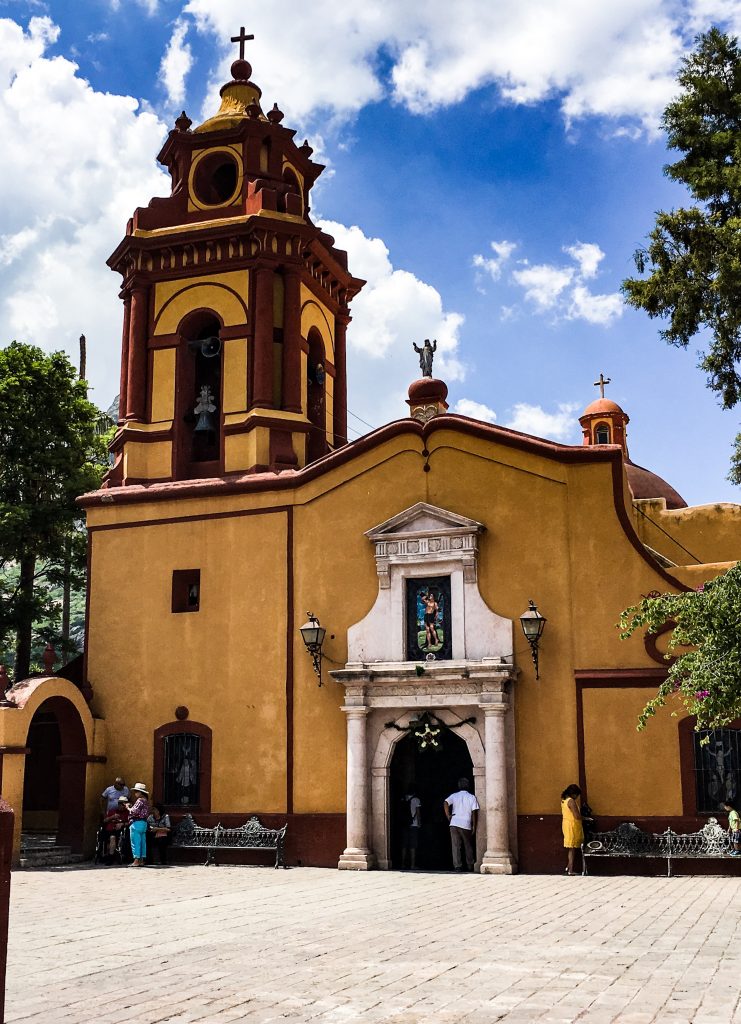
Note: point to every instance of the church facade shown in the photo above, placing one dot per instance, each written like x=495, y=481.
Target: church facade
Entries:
x=235, y=504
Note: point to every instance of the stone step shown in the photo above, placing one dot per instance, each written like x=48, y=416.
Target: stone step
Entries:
x=49, y=857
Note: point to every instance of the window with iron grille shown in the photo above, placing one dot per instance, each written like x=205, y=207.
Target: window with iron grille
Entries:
x=182, y=770
x=717, y=768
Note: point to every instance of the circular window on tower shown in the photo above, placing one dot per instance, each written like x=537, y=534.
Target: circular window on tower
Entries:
x=215, y=178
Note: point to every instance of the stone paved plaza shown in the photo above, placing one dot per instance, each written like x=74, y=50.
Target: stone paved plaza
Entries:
x=121, y=946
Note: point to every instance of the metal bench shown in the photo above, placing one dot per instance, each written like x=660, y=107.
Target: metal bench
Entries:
x=627, y=840
x=188, y=835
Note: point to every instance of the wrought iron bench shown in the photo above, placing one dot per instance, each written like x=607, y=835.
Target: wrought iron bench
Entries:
x=627, y=840
x=187, y=835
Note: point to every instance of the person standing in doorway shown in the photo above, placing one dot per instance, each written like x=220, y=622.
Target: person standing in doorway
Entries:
x=412, y=829
x=571, y=825
x=462, y=811
x=111, y=795
x=138, y=815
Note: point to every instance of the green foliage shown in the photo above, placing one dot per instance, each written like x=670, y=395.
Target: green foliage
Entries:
x=51, y=451
x=693, y=255
x=706, y=640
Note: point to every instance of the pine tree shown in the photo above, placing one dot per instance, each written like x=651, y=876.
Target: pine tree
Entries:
x=693, y=254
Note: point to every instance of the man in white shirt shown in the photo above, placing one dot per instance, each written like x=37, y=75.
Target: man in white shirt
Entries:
x=462, y=811
x=112, y=794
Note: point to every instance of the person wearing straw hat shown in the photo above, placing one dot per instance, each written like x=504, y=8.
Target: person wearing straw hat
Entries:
x=138, y=814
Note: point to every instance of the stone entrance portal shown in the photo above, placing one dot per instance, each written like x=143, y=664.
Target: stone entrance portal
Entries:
x=462, y=674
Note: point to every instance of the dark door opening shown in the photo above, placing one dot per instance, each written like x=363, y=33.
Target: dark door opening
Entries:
x=435, y=775
x=54, y=779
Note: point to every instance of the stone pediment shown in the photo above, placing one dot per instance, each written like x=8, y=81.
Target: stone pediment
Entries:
x=424, y=519
x=424, y=534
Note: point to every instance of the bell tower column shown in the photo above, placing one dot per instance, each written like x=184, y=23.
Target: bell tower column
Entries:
x=136, y=386
x=292, y=340
x=123, y=389
x=262, y=391
x=340, y=381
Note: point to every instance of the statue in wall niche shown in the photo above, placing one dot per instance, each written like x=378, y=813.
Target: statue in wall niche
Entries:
x=204, y=410
x=426, y=355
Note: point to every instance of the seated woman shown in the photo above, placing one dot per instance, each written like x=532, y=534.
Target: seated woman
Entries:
x=159, y=832
x=114, y=823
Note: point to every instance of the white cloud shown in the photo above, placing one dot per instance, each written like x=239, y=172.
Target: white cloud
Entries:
x=176, y=63
x=543, y=283
x=588, y=255
x=561, y=290
x=76, y=163
x=493, y=265
x=394, y=310
x=475, y=410
x=614, y=59
x=150, y=6
x=595, y=309
x=561, y=425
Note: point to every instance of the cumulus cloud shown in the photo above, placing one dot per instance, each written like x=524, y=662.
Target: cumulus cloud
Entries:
x=394, y=310
x=560, y=290
x=587, y=255
x=176, y=63
x=614, y=59
x=543, y=283
x=66, y=192
x=493, y=265
x=476, y=410
x=561, y=425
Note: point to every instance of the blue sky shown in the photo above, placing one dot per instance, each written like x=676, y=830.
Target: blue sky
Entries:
x=491, y=168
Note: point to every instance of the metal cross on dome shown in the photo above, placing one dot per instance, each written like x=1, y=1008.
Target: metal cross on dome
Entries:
x=601, y=384
x=242, y=38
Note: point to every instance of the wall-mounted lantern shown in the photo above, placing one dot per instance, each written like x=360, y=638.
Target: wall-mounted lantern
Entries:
x=313, y=636
x=533, y=623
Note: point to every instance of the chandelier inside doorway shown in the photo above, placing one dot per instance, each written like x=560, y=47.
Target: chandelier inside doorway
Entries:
x=428, y=730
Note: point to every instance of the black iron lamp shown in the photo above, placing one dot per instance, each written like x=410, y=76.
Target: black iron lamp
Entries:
x=313, y=636
x=533, y=624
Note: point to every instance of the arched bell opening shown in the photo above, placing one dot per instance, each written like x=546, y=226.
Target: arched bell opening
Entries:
x=316, y=398
x=54, y=779
x=199, y=395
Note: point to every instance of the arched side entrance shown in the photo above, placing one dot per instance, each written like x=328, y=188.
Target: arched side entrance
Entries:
x=382, y=787
x=431, y=775
x=52, y=762
x=54, y=780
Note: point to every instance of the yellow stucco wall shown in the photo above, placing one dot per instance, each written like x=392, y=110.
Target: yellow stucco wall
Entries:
x=703, y=533
x=163, y=384
x=226, y=662
x=150, y=461
x=315, y=314
x=637, y=772
x=225, y=293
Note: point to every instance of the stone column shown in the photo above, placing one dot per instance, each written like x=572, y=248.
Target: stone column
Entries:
x=292, y=340
x=357, y=856
x=262, y=363
x=498, y=859
x=136, y=388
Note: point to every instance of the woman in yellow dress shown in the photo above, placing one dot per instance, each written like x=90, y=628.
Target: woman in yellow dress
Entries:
x=571, y=824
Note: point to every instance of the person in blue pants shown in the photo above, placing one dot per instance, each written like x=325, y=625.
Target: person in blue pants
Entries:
x=139, y=811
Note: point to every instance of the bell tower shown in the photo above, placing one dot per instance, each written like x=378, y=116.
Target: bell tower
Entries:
x=236, y=305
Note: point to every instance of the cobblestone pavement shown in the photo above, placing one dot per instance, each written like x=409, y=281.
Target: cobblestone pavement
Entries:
x=187, y=944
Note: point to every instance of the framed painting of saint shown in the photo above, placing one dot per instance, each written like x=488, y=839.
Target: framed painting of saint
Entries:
x=428, y=619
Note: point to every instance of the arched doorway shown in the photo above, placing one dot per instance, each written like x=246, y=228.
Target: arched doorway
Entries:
x=434, y=774
x=54, y=780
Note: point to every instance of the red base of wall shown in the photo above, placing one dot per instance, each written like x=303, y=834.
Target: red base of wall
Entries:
x=312, y=840
x=541, y=852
